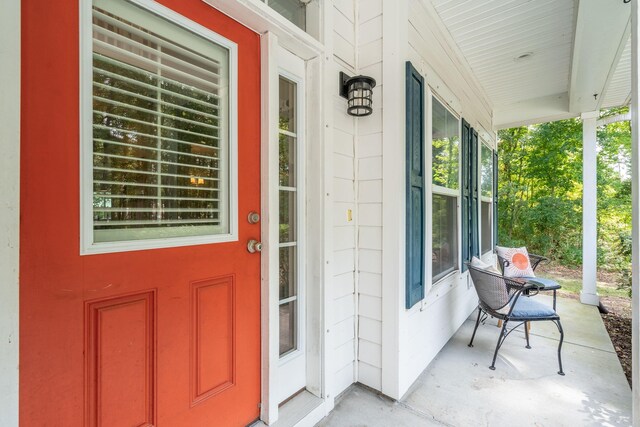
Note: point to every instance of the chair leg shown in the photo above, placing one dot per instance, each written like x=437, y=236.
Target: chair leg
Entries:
x=476, y=327
x=554, y=300
x=501, y=338
x=526, y=333
x=559, y=325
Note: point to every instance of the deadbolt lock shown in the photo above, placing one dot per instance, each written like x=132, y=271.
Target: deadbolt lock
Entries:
x=253, y=217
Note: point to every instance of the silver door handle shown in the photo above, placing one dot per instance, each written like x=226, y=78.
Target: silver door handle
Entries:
x=254, y=246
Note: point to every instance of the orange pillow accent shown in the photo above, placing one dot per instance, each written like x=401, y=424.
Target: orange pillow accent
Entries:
x=520, y=261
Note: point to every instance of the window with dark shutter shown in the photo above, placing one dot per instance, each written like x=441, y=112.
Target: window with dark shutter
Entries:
x=470, y=194
x=473, y=214
x=466, y=192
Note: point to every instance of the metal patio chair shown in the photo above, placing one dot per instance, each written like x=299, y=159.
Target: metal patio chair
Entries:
x=510, y=300
x=535, y=260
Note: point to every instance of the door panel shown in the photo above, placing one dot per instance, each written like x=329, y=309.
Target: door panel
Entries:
x=212, y=337
x=166, y=337
x=120, y=349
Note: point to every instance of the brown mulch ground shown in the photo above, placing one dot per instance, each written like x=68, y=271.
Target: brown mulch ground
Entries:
x=618, y=324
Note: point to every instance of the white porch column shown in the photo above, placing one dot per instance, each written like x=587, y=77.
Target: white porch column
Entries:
x=589, y=294
x=635, y=229
x=9, y=209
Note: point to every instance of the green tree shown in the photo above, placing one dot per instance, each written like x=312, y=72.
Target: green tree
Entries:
x=540, y=190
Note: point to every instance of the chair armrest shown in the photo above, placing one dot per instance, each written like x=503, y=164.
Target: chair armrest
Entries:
x=502, y=263
x=537, y=260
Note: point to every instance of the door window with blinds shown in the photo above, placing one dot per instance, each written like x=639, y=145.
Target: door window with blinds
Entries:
x=159, y=142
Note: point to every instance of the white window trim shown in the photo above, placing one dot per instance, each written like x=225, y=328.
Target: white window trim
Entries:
x=259, y=17
x=284, y=71
x=87, y=245
x=487, y=199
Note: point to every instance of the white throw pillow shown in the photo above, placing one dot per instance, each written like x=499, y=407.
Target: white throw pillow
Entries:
x=519, y=264
x=478, y=263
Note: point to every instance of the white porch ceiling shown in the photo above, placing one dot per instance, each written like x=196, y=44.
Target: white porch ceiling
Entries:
x=541, y=60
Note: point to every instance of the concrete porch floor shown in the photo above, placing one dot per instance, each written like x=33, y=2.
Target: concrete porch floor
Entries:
x=458, y=388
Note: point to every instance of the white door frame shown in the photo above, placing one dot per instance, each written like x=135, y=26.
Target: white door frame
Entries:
x=10, y=210
x=292, y=68
x=314, y=204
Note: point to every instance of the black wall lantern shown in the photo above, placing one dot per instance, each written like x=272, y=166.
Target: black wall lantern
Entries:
x=358, y=91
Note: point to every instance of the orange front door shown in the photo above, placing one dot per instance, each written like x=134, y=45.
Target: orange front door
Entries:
x=167, y=337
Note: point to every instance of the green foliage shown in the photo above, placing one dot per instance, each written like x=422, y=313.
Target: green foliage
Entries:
x=540, y=190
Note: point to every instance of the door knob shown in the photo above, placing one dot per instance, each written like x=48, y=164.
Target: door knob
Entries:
x=253, y=217
x=254, y=246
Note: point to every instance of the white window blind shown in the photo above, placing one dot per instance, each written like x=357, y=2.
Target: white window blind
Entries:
x=160, y=128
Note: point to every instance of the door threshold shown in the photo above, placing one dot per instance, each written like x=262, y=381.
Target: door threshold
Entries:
x=302, y=410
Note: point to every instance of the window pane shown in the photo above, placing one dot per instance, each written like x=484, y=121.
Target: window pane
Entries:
x=486, y=183
x=287, y=161
x=294, y=10
x=445, y=235
x=445, y=146
x=287, y=107
x=288, y=313
x=287, y=216
x=288, y=197
x=288, y=280
x=160, y=128
x=486, y=226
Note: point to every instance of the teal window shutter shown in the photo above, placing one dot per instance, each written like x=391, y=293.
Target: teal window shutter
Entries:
x=473, y=214
x=415, y=186
x=465, y=194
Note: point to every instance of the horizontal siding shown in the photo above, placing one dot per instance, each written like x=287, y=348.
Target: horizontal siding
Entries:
x=370, y=53
x=368, y=10
x=370, y=261
x=343, y=332
x=370, y=283
x=342, y=314
x=369, y=375
x=369, y=200
x=342, y=285
x=370, y=191
x=370, y=307
x=370, y=353
x=370, y=330
x=370, y=238
x=344, y=238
